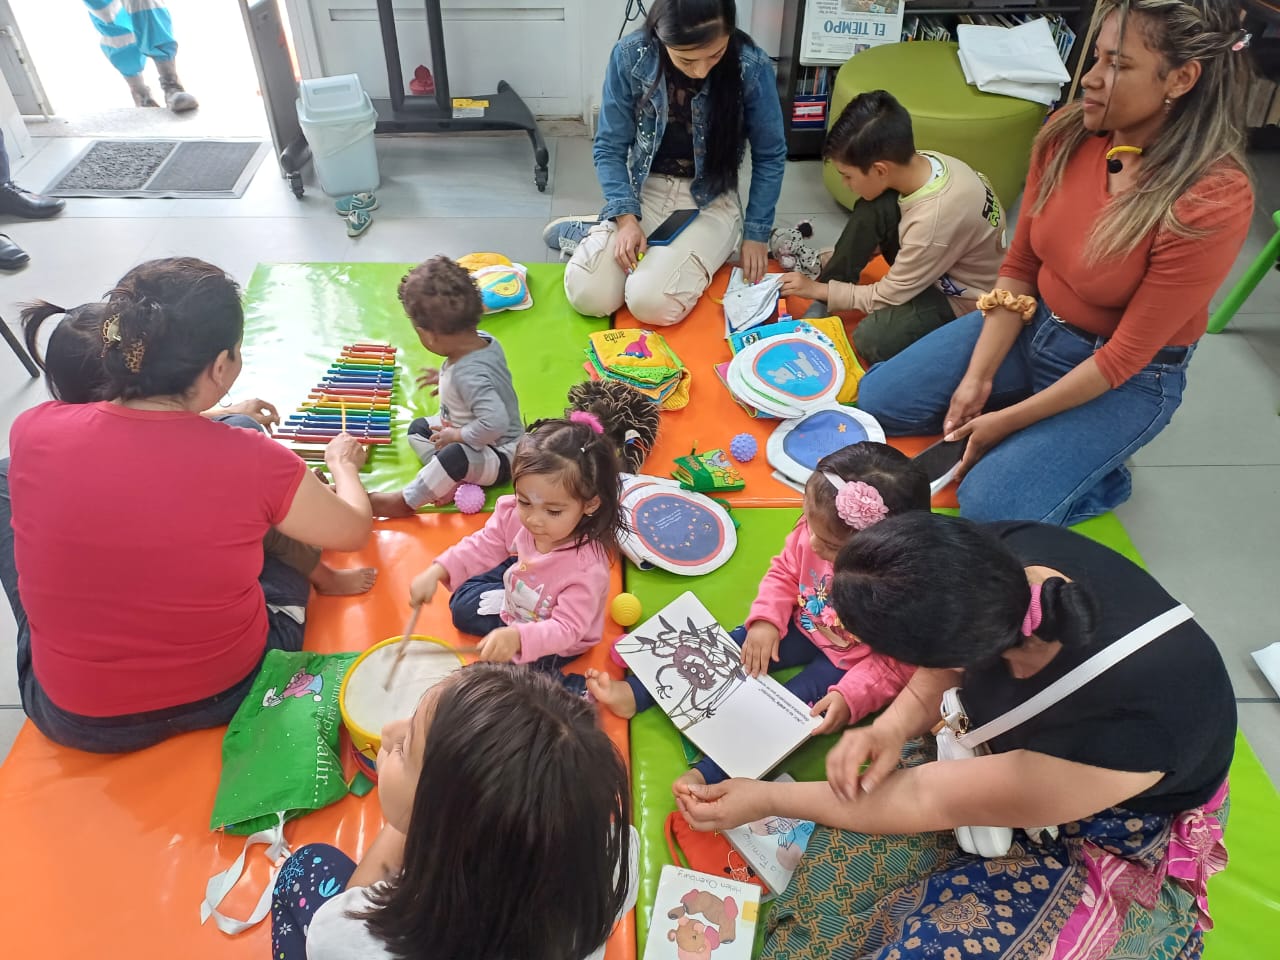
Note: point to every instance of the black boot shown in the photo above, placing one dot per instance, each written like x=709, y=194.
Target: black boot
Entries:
x=175, y=98
x=12, y=256
x=17, y=202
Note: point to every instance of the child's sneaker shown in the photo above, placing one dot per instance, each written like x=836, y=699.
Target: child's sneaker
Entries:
x=565, y=233
x=358, y=221
x=355, y=201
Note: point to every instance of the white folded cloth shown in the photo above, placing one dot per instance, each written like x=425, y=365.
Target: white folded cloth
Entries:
x=1021, y=61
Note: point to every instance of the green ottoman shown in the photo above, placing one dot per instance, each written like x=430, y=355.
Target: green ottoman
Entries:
x=989, y=132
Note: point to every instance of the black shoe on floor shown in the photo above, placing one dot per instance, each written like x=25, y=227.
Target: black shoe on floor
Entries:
x=30, y=206
x=12, y=256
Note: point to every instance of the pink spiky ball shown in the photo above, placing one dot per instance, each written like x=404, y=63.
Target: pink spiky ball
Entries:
x=469, y=498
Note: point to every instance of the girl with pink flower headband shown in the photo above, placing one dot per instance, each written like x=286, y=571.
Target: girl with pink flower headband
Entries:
x=792, y=622
x=532, y=582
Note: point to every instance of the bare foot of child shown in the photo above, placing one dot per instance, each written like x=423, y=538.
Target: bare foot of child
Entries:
x=343, y=583
x=614, y=694
x=390, y=503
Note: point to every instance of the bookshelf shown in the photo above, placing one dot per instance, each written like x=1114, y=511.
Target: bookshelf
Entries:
x=805, y=91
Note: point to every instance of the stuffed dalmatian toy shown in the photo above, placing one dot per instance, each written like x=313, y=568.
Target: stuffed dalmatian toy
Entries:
x=789, y=246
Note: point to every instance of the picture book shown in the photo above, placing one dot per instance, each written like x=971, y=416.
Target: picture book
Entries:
x=698, y=916
x=691, y=665
x=772, y=846
x=707, y=472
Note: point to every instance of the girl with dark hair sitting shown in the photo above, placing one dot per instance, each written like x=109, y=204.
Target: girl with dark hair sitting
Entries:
x=683, y=97
x=146, y=604
x=507, y=834
x=1129, y=768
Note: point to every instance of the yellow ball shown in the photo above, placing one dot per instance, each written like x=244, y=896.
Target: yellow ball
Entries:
x=625, y=609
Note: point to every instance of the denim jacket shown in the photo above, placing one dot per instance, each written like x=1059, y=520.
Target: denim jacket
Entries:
x=629, y=132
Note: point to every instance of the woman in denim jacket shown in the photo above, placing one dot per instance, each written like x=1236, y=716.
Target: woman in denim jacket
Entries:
x=682, y=99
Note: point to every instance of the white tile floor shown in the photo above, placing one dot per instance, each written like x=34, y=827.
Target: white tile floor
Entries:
x=1204, y=512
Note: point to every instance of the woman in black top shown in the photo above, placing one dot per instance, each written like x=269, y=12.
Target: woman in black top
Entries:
x=1131, y=766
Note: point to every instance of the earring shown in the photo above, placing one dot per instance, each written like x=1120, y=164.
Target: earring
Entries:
x=1168, y=104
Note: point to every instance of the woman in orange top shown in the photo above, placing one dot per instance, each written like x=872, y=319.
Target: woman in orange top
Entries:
x=1136, y=205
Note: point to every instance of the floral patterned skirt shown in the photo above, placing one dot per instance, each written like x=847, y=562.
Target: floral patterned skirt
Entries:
x=1104, y=889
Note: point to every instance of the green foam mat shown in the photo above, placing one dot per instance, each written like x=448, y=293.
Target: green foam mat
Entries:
x=1244, y=899
x=299, y=315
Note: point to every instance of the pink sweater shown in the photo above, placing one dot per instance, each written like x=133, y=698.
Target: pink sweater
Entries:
x=556, y=600
x=796, y=588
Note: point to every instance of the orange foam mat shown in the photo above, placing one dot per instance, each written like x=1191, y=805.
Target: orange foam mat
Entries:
x=109, y=856
x=713, y=417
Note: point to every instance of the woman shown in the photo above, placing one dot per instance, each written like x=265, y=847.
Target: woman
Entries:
x=1137, y=791
x=146, y=604
x=1136, y=206
x=682, y=99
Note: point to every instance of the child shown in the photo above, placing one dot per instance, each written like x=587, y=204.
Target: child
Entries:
x=507, y=835
x=935, y=219
x=73, y=371
x=473, y=437
x=792, y=623
x=543, y=604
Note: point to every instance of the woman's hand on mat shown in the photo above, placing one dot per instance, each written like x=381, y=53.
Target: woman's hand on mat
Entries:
x=501, y=645
x=260, y=410
x=798, y=285
x=429, y=377
x=760, y=646
x=873, y=745
x=754, y=260
x=629, y=242
x=834, y=711
x=966, y=403
x=423, y=587
x=721, y=806
x=984, y=432
x=344, y=451
x=445, y=436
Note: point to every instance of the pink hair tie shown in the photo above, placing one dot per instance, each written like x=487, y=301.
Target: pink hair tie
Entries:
x=858, y=504
x=1031, y=622
x=590, y=419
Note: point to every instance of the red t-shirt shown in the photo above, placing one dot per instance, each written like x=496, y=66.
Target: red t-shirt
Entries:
x=138, y=541
x=1156, y=296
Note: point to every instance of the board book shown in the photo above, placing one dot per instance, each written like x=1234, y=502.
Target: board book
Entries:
x=698, y=916
x=772, y=846
x=691, y=665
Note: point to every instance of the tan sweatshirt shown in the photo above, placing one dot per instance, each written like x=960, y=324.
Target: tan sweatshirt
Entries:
x=952, y=234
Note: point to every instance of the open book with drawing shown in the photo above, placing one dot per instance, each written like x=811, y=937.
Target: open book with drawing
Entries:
x=691, y=665
x=697, y=916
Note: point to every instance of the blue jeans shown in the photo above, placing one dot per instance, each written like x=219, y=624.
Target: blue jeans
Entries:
x=282, y=585
x=310, y=878
x=1063, y=469
x=794, y=650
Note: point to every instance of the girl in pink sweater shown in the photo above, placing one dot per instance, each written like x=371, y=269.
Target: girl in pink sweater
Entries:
x=534, y=580
x=792, y=623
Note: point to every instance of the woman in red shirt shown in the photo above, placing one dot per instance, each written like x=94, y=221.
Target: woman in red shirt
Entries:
x=132, y=549
x=1136, y=205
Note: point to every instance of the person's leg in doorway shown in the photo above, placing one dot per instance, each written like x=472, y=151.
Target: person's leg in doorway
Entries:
x=133, y=30
x=16, y=202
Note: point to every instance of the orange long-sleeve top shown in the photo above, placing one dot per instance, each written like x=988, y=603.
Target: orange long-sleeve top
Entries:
x=1156, y=296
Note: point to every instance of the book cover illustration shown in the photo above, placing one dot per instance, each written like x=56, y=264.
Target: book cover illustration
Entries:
x=772, y=846
x=694, y=670
x=707, y=472
x=697, y=916
x=797, y=445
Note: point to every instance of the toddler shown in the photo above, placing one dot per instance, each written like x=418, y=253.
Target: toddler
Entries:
x=472, y=438
x=534, y=580
x=507, y=835
x=792, y=622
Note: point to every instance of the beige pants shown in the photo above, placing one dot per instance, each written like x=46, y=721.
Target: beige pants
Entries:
x=671, y=278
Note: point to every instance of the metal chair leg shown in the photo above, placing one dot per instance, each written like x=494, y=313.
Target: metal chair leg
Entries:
x=19, y=349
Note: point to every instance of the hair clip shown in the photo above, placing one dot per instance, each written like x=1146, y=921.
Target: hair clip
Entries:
x=110, y=330
x=133, y=355
x=1243, y=42
x=858, y=504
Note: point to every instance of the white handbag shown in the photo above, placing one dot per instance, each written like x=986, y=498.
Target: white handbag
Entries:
x=957, y=742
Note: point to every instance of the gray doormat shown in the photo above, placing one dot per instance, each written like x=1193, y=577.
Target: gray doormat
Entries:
x=161, y=168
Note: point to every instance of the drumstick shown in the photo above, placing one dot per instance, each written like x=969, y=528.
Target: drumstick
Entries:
x=342, y=405
x=404, y=645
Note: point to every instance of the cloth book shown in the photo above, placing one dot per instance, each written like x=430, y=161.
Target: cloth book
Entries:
x=707, y=472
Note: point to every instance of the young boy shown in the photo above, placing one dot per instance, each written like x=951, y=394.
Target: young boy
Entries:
x=474, y=435
x=934, y=219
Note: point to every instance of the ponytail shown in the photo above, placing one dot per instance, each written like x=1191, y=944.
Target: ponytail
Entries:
x=72, y=362
x=1069, y=613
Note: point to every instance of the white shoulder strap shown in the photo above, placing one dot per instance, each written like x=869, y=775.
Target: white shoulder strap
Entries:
x=220, y=884
x=1069, y=683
